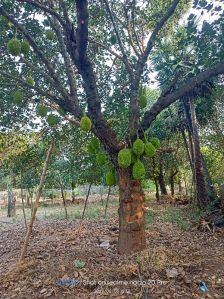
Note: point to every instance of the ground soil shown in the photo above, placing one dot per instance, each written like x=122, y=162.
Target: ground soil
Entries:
x=172, y=266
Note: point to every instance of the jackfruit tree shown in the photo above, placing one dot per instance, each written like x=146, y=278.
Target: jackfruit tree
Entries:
x=93, y=60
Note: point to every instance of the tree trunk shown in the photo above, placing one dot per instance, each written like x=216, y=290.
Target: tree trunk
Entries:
x=210, y=186
x=172, y=189
x=63, y=199
x=201, y=191
x=161, y=181
x=11, y=200
x=157, y=188
x=11, y=204
x=172, y=185
x=131, y=214
x=107, y=201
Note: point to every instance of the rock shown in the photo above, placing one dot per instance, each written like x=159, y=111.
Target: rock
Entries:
x=105, y=244
x=172, y=273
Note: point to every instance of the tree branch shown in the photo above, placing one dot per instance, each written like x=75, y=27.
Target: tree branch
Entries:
x=36, y=49
x=106, y=48
x=165, y=101
x=44, y=8
x=152, y=39
x=118, y=38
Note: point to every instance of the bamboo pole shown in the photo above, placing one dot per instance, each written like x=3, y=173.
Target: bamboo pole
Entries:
x=36, y=203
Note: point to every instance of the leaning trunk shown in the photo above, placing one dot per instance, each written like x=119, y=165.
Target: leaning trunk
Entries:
x=131, y=214
x=202, y=194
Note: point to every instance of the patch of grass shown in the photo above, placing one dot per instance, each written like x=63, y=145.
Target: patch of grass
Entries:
x=175, y=216
x=150, y=217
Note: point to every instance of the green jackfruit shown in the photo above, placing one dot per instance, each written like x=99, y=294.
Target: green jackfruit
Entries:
x=17, y=97
x=93, y=145
x=143, y=101
x=85, y=123
x=25, y=48
x=133, y=157
x=52, y=120
x=50, y=34
x=41, y=110
x=155, y=142
x=101, y=158
x=124, y=158
x=14, y=47
x=149, y=149
x=138, y=170
x=138, y=147
x=110, y=178
x=30, y=80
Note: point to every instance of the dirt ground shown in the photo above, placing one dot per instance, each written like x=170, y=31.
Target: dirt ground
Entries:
x=63, y=262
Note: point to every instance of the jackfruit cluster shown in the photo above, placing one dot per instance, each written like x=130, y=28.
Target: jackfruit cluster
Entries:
x=50, y=34
x=14, y=47
x=41, y=110
x=17, y=97
x=25, y=47
x=101, y=158
x=124, y=158
x=155, y=142
x=138, y=170
x=142, y=97
x=52, y=120
x=93, y=146
x=30, y=80
x=110, y=178
x=85, y=123
x=149, y=150
x=138, y=147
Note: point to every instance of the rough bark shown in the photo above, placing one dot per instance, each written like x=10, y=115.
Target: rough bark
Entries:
x=161, y=181
x=131, y=214
x=11, y=204
x=201, y=191
x=157, y=188
x=172, y=189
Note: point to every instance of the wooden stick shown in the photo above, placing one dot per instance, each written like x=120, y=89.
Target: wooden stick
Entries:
x=108, y=196
x=37, y=198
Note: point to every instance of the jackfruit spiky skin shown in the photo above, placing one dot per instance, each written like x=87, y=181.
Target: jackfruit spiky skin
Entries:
x=138, y=147
x=110, y=178
x=101, y=158
x=124, y=158
x=14, y=47
x=93, y=146
x=155, y=142
x=133, y=157
x=85, y=123
x=138, y=170
x=41, y=110
x=50, y=34
x=30, y=80
x=143, y=101
x=17, y=97
x=25, y=48
x=52, y=120
x=150, y=150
